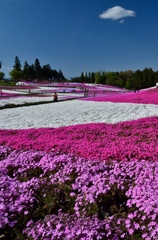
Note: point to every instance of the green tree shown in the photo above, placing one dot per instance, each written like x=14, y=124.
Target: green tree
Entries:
x=137, y=80
x=17, y=64
x=37, y=68
x=128, y=85
x=47, y=72
x=2, y=75
x=103, y=78
x=111, y=78
x=148, y=79
x=55, y=75
x=156, y=77
x=61, y=76
x=31, y=72
x=126, y=76
x=82, y=78
x=91, y=77
x=97, y=77
x=15, y=74
x=26, y=70
x=120, y=83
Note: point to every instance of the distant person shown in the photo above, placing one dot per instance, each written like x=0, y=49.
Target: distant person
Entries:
x=55, y=97
x=1, y=93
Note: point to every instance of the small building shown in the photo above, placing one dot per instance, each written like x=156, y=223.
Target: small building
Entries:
x=22, y=83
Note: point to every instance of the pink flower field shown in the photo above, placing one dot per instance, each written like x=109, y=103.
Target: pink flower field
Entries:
x=148, y=96
x=133, y=140
x=84, y=181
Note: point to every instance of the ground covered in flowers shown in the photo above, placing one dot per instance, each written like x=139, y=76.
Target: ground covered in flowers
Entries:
x=146, y=96
x=87, y=181
x=124, y=141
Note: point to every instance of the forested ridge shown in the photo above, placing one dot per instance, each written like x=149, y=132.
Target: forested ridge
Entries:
x=125, y=79
x=33, y=72
x=139, y=79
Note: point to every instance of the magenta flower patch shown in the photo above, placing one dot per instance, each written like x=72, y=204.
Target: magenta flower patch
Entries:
x=88, y=181
x=148, y=96
x=132, y=140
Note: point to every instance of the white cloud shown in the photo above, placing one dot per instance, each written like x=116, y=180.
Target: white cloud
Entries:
x=121, y=21
x=117, y=12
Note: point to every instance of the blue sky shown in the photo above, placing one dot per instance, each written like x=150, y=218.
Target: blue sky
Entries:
x=80, y=35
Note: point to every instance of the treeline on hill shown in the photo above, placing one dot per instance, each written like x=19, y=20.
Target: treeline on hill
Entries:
x=127, y=79
x=34, y=71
